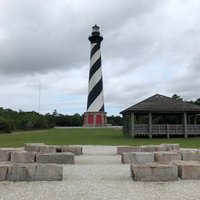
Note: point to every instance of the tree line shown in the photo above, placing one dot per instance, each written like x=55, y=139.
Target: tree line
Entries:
x=197, y=101
x=11, y=120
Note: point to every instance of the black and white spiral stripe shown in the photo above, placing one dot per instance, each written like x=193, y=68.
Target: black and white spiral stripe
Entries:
x=95, y=101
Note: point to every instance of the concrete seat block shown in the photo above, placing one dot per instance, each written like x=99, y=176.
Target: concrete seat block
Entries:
x=167, y=156
x=4, y=171
x=58, y=158
x=154, y=172
x=23, y=157
x=33, y=146
x=48, y=149
x=171, y=147
x=188, y=170
x=189, y=155
x=21, y=172
x=42, y=147
x=161, y=148
x=5, y=154
x=35, y=172
x=149, y=148
x=137, y=157
x=124, y=149
x=76, y=150
x=48, y=172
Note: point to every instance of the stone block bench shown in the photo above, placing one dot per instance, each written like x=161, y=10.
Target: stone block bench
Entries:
x=124, y=149
x=147, y=148
x=137, y=157
x=4, y=171
x=30, y=172
x=161, y=148
x=76, y=150
x=36, y=162
x=188, y=169
x=190, y=154
x=23, y=157
x=35, y=147
x=35, y=172
x=58, y=158
x=167, y=156
x=154, y=172
x=171, y=147
x=5, y=154
x=43, y=148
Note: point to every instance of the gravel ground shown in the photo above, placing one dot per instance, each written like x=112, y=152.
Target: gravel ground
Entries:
x=98, y=175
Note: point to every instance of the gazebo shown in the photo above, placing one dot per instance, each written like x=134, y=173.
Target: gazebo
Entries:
x=161, y=115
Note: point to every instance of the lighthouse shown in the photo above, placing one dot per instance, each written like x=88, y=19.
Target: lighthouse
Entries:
x=95, y=116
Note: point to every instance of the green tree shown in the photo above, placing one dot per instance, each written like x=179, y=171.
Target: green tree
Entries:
x=115, y=120
x=5, y=126
x=175, y=96
x=77, y=120
x=197, y=101
x=55, y=113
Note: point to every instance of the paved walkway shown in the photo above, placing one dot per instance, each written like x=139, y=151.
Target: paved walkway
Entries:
x=98, y=164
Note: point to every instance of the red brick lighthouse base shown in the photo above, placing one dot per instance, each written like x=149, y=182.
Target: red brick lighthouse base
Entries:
x=95, y=119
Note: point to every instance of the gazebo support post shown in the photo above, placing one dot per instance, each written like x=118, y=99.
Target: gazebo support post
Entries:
x=185, y=124
x=150, y=125
x=129, y=128
x=167, y=131
x=132, y=124
x=124, y=125
x=195, y=119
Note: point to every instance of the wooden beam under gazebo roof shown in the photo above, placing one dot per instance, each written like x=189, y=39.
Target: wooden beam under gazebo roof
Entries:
x=163, y=106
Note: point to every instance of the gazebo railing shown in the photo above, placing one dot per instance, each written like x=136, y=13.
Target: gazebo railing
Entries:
x=164, y=129
x=193, y=129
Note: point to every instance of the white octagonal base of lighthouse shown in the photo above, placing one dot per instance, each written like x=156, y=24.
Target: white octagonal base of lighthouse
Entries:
x=95, y=119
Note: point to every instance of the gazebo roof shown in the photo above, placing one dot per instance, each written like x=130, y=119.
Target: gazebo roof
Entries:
x=162, y=104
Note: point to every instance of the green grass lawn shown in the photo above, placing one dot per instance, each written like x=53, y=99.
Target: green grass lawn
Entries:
x=86, y=136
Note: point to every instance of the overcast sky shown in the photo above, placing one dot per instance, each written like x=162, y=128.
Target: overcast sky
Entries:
x=149, y=47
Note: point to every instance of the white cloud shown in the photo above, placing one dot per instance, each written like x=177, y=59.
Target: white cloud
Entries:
x=149, y=46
